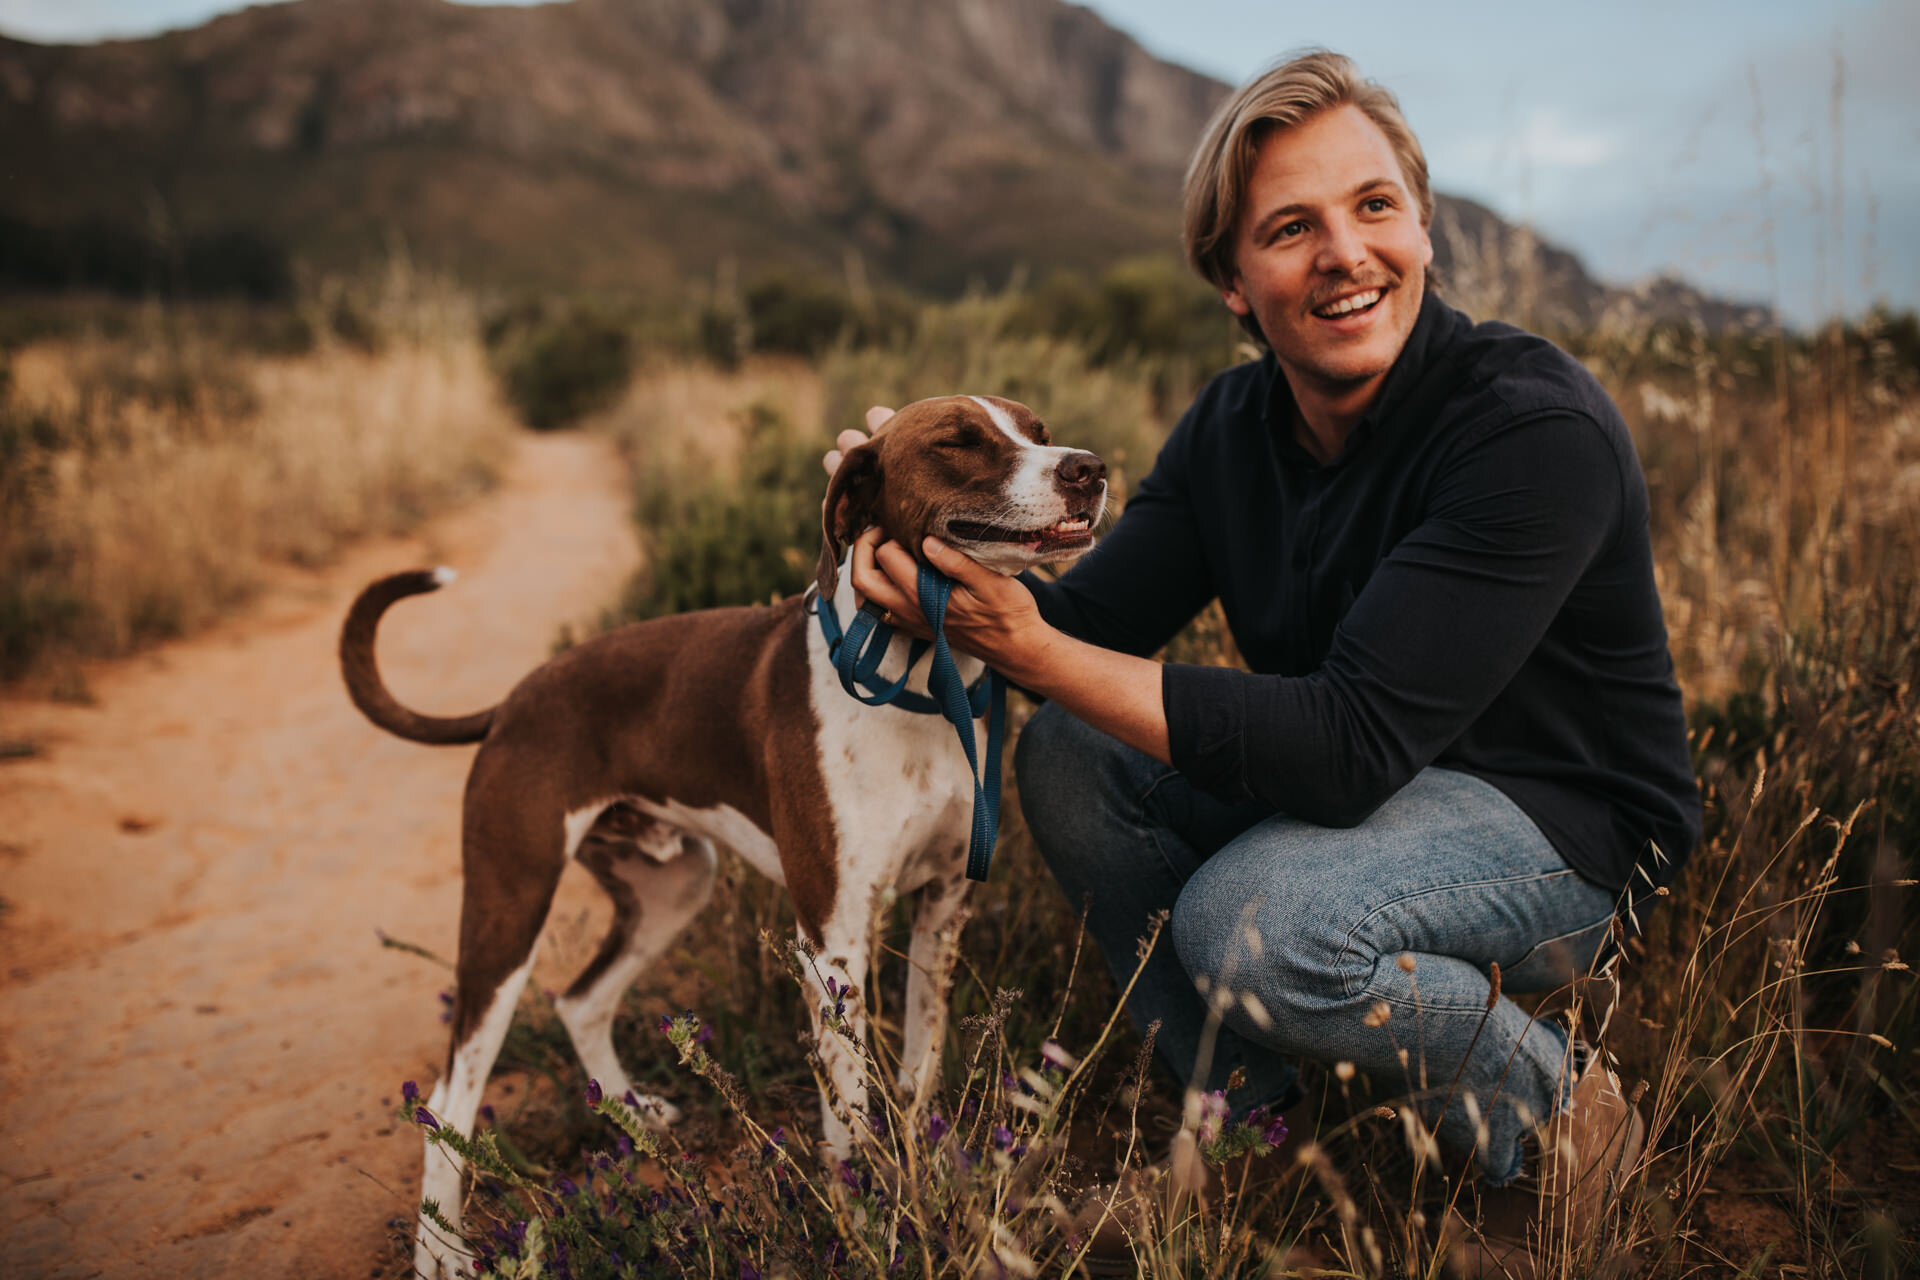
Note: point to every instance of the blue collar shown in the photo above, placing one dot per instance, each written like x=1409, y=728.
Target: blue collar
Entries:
x=857, y=653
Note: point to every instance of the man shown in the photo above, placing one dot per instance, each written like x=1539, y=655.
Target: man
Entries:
x=1460, y=743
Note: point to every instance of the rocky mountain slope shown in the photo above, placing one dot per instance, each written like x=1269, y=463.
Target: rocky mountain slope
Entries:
x=632, y=143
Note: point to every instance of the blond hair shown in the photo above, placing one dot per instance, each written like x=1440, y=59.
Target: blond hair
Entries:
x=1294, y=90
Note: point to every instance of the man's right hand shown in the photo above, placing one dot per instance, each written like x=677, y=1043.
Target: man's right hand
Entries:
x=852, y=438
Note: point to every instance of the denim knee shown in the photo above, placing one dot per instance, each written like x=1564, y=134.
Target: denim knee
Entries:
x=1280, y=965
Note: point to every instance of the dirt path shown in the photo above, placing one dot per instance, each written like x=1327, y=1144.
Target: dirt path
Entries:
x=201, y=1036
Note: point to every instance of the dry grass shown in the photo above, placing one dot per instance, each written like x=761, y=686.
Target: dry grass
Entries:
x=150, y=479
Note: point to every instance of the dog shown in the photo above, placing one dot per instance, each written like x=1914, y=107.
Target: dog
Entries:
x=638, y=752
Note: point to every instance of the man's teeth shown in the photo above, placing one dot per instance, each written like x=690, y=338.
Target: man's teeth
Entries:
x=1358, y=302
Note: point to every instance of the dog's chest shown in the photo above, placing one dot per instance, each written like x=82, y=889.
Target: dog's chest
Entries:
x=897, y=783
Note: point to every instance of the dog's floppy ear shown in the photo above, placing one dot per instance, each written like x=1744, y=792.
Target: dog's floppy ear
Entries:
x=853, y=496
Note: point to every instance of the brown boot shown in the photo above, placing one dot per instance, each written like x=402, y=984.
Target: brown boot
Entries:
x=1586, y=1153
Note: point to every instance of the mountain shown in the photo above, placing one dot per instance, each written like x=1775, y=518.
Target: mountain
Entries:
x=626, y=143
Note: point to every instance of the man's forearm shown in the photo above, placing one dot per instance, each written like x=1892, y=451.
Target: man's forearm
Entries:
x=1114, y=692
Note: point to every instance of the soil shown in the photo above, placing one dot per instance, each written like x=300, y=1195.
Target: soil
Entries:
x=204, y=1036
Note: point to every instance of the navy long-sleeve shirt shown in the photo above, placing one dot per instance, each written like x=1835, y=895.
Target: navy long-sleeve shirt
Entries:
x=1469, y=584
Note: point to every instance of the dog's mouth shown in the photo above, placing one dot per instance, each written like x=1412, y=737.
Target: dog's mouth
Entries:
x=1074, y=533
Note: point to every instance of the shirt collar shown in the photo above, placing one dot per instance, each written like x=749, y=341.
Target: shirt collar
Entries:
x=1435, y=330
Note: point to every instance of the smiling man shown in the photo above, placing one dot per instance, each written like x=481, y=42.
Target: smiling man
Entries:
x=1459, y=744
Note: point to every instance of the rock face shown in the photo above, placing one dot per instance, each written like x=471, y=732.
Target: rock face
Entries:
x=623, y=143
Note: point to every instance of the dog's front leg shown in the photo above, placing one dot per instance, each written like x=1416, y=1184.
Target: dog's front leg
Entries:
x=929, y=973
x=836, y=977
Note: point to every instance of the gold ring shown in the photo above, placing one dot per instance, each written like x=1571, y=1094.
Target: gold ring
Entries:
x=886, y=616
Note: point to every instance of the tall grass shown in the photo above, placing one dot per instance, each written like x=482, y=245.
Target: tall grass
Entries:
x=150, y=476
x=1764, y=1015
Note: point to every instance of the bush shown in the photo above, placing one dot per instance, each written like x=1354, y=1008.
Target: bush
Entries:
x=558, y=368
x=718, y=539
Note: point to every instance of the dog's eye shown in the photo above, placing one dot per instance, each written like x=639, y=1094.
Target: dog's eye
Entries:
x=1041, y=433
x=956, y=442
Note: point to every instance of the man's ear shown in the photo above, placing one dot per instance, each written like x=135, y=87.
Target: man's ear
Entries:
x=853, y=497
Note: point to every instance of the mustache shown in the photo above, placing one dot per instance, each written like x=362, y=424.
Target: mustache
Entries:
x=1383, y=279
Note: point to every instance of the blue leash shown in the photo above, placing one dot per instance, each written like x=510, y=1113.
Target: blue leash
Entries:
x=857, y=654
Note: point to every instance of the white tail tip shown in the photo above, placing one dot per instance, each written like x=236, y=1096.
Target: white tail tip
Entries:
x=443, y=576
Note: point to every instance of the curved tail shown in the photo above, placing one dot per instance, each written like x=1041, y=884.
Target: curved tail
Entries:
x=369, y=691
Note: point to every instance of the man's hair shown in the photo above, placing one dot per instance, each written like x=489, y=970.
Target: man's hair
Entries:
x=1291, y=92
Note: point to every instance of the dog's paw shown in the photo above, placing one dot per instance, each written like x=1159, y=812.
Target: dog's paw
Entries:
x=437, y=1258
x=657, y=1111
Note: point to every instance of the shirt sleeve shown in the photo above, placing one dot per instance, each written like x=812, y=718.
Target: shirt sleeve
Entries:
x=1148, y=577
x=1439, y=629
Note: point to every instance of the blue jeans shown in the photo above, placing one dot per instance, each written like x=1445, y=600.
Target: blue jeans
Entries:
x=1297, y=932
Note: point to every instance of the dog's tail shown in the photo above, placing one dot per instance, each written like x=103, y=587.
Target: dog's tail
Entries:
x=369, y=691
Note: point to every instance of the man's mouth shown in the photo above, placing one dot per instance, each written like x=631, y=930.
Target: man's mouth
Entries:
x=1073, y=531
x=1351, y=305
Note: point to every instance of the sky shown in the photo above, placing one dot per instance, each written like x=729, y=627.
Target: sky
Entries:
x=1767, y=150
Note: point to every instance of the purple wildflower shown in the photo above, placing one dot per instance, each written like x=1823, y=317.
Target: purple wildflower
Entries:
x=564, y=1185
x=666, y=1024
x=748, y=1271
x=706, y=1034
x=833, y=988
x=423, y=1116
x=1213, y=1114
x=936, y=1127
x=1276, y=1131
x=1002, y=1136
x=593, y=1093
x=410, y=1093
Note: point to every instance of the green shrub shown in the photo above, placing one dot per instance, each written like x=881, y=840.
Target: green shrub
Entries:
x=557, y=368
x=726, y=539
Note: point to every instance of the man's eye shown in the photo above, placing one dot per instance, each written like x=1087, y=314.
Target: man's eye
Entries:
x=1377, y=204
x=1289, y=230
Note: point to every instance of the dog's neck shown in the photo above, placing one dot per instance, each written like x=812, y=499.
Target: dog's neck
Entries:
x=845, y=605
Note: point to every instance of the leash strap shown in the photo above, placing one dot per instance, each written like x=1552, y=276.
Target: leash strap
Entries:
x=857, y=654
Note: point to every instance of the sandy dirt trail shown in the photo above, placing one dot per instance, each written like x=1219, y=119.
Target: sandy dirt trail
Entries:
x=201, y=1037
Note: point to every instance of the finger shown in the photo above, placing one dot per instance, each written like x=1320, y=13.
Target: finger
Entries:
x=832, y=461
x=850, y=439
x=877, y=416
x=964, y=570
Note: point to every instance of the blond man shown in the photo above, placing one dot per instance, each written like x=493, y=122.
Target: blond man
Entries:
x=1459, y=744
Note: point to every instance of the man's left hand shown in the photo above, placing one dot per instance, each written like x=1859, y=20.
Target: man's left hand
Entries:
x=989, y=615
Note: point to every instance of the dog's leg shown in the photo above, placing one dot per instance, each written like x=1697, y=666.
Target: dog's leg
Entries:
x=512, y=862
x=842, y=960
x=653, y=900
x=929, y=966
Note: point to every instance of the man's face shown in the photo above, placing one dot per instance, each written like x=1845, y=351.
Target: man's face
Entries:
x=1330, y=257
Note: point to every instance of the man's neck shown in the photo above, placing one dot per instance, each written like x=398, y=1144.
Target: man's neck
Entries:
x=1323, y=416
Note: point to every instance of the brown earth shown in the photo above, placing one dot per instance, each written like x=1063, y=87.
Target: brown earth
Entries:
x=202, y=1038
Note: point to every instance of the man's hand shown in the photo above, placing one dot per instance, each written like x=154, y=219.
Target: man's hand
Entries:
x=989, y=615
x=852, y=438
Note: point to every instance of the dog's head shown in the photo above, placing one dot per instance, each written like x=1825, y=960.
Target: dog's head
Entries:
x=976, y=472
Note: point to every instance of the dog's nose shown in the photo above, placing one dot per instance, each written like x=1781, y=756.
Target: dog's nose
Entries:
x=1082, y=473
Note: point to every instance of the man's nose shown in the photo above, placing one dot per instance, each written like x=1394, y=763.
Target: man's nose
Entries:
x=1342, y=248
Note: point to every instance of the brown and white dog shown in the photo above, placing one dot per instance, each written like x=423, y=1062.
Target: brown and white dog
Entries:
x=639, y=751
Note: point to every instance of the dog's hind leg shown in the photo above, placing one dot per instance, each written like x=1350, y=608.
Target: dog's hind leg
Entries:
x=512, y=862
x=929, y=968
x=659, y=879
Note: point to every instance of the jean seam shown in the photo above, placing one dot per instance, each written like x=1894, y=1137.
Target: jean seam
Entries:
x=1347, y=947
x=1571, y=933
x=1152, y=832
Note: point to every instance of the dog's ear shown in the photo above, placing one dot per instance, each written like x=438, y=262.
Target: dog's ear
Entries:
x=853, y=498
